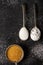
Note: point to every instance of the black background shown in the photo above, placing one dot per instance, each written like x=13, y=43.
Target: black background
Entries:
x=10, y=24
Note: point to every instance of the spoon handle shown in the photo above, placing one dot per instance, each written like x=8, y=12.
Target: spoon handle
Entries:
x=34, y=15
x=15, y=63
x=23, y=9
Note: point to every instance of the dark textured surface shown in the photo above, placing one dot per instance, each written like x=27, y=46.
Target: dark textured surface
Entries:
x=10, y=24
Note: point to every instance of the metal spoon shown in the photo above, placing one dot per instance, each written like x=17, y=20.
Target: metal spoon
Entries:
x=35, y=32
x=14, y=61
x=23, y=33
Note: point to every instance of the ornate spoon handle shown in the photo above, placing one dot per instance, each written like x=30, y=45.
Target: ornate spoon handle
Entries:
x=23, y=9
x=15, y=63
x=34, y=15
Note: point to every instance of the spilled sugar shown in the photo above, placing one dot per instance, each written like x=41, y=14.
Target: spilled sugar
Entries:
x=2, y=52
x=10, y=2
x=38, y=51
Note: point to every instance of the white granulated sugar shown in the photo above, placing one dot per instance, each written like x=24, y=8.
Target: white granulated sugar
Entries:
x=38, y=51
x=35, y=34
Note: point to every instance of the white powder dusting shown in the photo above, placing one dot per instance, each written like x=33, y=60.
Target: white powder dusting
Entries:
x=38, y=51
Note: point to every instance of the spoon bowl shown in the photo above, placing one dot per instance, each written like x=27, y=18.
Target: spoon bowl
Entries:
x=14, y=53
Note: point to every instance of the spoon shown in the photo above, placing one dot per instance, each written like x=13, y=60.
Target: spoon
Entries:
x=35, y=32
x=23, y=33
x=14, y=53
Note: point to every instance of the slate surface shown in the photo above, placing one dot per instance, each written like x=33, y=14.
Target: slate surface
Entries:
x=10, y=24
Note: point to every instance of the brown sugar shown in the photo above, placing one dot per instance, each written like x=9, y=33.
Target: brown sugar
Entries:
x=15, y=53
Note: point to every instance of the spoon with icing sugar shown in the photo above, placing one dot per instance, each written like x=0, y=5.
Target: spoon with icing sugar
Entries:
x=23, y=33
x=35, y=32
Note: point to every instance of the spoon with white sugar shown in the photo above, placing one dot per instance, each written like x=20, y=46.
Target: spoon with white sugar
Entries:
x=35, y=32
